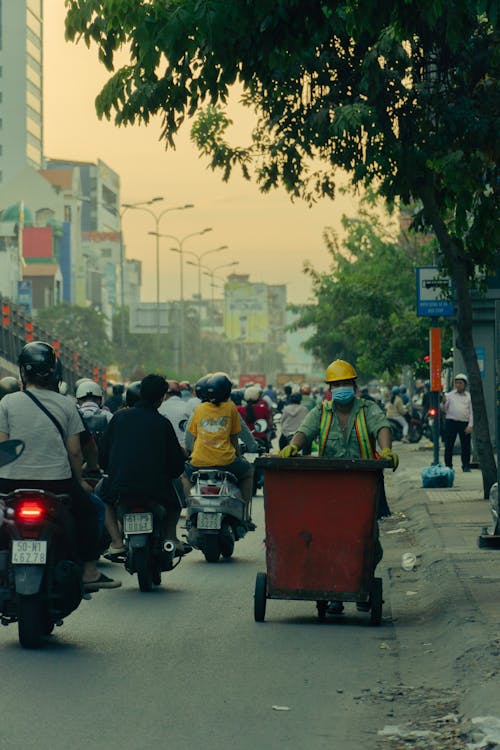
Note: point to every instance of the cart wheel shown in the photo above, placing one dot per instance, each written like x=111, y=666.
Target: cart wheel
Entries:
x=376, y=602
x=321, y=607
x=260, y=597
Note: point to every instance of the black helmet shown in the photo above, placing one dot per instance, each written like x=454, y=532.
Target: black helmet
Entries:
x=38, y=360
x=237, y=396
x=201, y=387
x=8, y=384
x=296, y=397
x=133, y=393
x=219, y=387
x=118, y=389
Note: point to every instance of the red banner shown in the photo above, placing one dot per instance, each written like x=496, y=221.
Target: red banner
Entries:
x=251, y=377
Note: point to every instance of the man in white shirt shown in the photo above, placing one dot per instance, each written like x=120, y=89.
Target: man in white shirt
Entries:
x=175, y=409
x=457, y=407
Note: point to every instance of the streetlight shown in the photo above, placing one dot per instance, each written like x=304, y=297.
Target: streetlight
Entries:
x=211, y=272
x=157, y=218
x=198, y=264
x=126, y=206
x=180, y=249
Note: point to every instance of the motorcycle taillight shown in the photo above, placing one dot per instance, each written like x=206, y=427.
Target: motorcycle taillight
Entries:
x=432, y=412
x=210, y=489
x=30, y=511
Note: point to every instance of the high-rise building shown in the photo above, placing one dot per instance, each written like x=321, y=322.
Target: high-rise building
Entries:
x=21, y=86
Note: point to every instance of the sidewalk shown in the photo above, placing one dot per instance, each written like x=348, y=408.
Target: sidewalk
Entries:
x=446, y=612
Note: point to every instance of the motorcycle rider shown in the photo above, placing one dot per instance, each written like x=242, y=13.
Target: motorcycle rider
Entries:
x=256, y=408
x=89, y=400
x=215, y=426
x=292, y=417
x=176, y=410
x=345, y=427
x=396, y=410
x=142, y=455
x=50, y=426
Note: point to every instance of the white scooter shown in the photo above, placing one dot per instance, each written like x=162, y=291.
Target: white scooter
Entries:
x=217, y=516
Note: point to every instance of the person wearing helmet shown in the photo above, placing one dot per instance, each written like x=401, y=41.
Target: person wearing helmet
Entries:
x=396, y=410
x=457, y=407
x=256, y=409
x=8, y=384
x=345, y=427
x=215, y=425
x=116, y=401
x=89, y=400
x=50, y=426
x=176, y=410
x=292, y=417
x=141, y=455
x=133, y=393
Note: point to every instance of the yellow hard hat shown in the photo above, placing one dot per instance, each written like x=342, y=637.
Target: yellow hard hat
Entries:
x=339, y=369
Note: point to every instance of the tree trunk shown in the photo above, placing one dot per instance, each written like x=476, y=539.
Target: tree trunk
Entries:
x=458, y=264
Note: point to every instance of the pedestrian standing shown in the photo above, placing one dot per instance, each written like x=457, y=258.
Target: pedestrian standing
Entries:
x=457, y=407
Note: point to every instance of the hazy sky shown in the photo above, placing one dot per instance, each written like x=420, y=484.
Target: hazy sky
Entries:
x=269, y=236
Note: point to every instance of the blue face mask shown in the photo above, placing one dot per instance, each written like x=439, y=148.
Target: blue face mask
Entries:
x=343, y=395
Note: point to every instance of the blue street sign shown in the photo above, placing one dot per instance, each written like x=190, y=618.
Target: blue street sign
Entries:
x=433, y=291
x=24, y=295
x=481, y=359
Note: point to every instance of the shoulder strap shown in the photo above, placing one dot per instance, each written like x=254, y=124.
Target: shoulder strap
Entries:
x=48, y=413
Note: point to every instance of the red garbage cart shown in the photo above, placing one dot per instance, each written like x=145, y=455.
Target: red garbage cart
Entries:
x=321, y=532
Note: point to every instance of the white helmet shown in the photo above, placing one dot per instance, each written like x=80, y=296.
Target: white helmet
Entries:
x=89, y=388
x=461, y=376
x=252, y=393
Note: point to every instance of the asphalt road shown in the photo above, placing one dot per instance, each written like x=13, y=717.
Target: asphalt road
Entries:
x=186, y=666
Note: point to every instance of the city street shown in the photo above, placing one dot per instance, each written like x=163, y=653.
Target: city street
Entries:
x=187, y=666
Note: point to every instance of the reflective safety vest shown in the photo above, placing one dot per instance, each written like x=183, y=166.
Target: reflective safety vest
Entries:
x=366, y=443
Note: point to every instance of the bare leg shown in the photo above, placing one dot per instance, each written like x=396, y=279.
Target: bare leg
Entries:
x=112, y=528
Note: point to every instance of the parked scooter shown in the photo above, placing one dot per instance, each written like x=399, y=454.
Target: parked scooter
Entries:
x=148, y=552
x=40, y=580
x=217, y=515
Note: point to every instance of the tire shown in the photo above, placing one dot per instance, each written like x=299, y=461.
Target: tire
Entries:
x=227, y=540
x=142, y=564
x=414, y=433
x=376, y=602
x=31, y=620
x=260, y=597
x=321, y=606
x=211, y=548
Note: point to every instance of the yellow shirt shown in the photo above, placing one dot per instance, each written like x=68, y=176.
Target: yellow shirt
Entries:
x=212, y=427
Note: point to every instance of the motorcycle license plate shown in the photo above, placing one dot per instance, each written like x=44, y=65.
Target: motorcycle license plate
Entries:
x=29, y=552
x=209, y=520
x=138, y=523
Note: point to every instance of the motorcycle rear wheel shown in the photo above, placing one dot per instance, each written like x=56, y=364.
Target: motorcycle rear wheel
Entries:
x=227, y=540
x=414, y=433
x=211, y=548
x=31, y=620
x=142, y=564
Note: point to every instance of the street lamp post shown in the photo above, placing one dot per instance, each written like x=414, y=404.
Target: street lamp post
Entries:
x=180, y=249
x=157, y=218
x=126, y=206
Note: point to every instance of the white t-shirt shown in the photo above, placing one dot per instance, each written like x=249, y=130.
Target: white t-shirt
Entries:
x=45, y=455
x=175, y=409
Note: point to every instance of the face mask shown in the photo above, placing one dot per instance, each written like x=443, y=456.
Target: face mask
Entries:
x=343, y=395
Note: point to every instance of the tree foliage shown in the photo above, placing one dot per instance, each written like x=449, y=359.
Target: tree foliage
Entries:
x=364, y=309
x=402, y=95
x=82, y=328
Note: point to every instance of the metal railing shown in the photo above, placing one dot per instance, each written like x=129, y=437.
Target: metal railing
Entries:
x=17, y=329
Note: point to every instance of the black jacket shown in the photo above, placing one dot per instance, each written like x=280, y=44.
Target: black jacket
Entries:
x=141, y=454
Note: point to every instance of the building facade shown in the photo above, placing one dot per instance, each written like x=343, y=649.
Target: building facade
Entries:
x=21, y=87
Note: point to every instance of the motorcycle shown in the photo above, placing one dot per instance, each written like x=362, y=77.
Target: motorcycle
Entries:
x=263, y=437
x=217, y=515
x=148, y=552
x=40, y=580
x=415, y=429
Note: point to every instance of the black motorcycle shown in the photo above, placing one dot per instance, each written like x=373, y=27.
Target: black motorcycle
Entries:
x=147, y=550
x=40, y=580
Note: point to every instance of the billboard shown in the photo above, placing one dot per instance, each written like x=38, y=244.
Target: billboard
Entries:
x=144, y=317
x=246, y=314
x=252, y=377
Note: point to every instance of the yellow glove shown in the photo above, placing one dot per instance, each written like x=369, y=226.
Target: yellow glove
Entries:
x=288, y=451
x=389, y=455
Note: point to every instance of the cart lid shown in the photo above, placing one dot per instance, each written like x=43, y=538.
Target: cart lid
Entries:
x=313, y=463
